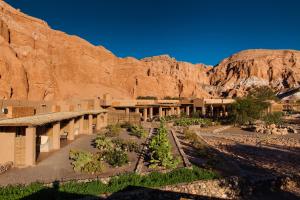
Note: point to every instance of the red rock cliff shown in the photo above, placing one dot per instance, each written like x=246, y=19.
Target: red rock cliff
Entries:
x=49, y=64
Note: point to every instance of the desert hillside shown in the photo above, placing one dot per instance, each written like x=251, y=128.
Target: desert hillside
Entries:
x=278, y=69
x=39, y=63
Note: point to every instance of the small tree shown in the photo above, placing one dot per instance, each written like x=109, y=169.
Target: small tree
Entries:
x=262, y=93
x=253, y=106
x=246, y=110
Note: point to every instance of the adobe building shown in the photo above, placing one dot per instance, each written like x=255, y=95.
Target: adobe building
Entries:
x=149, y=109
x=24, y=135
x=29, y=129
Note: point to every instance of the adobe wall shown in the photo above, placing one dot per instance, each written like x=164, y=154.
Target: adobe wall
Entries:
x=19, y=111
x=118, y=116
x=7, y=147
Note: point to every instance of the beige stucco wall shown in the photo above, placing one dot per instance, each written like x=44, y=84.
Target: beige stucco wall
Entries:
x=7, y=147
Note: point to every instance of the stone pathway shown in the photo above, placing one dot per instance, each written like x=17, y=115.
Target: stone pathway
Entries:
x=55, y=167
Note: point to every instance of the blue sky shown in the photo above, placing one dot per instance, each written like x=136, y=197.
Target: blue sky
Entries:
x=197, y=31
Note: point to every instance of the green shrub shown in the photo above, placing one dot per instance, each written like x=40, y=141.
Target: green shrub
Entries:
x=273, y=118
x=194, y=139
x=168, y=118
x=147, y=97
x=83, y=161
x=94, y=188
x=132, y=146
x=184, y=121
x=126, y=145
x=113, y=130
x=252, y=107
x=137, y=131
x=160, y=150
x=190, y=135
x=126, y=125
x=116, y=157
x=172, y=98
x=103, y=143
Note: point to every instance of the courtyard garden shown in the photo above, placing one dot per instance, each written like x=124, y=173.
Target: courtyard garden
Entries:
x=118, y=152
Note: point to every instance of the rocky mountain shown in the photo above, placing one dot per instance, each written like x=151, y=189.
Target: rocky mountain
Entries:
x=235, y=75
x=39, y=63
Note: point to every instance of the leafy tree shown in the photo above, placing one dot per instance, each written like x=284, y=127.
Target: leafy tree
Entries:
x=262, y=93
x=253, y=106
x=273, y=118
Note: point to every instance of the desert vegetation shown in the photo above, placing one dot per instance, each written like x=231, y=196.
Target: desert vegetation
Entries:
x=135, y=130
x=65, y=191
x=254, y=107
x=160, y=150
x=147, y=98
x=185, y=121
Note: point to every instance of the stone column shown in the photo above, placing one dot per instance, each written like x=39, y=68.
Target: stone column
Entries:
x=71, y=135
x=77, y=126
x=194, y=109
x=90, y=128
x=56, y=135
x=160, y=112
x=224, y=111
x=105, y=120
x=30, y=146
x=137, y=110
x=145, y=114
x=81, y=125
x=127, y=111
x=187, y=111
x=212, y=110
x=99, y=122
x=151, y=112
x=178, y=111
x=203, y=110
x=172, y=111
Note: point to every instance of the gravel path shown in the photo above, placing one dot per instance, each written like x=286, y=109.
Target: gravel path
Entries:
x=257, y=152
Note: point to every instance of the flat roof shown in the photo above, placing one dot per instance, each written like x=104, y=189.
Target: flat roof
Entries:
x=42, y=119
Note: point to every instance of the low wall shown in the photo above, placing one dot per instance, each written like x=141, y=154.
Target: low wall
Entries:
x=115, y=116
x=225, y=188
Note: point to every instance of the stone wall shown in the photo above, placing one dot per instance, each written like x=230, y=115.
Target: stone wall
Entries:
x=224, y=188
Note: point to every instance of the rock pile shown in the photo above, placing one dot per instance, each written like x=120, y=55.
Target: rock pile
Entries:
x=272, y=129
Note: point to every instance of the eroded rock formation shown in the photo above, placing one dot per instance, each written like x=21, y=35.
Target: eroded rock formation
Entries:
x=54, y=65
x=39, y=63
x=278, y=69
